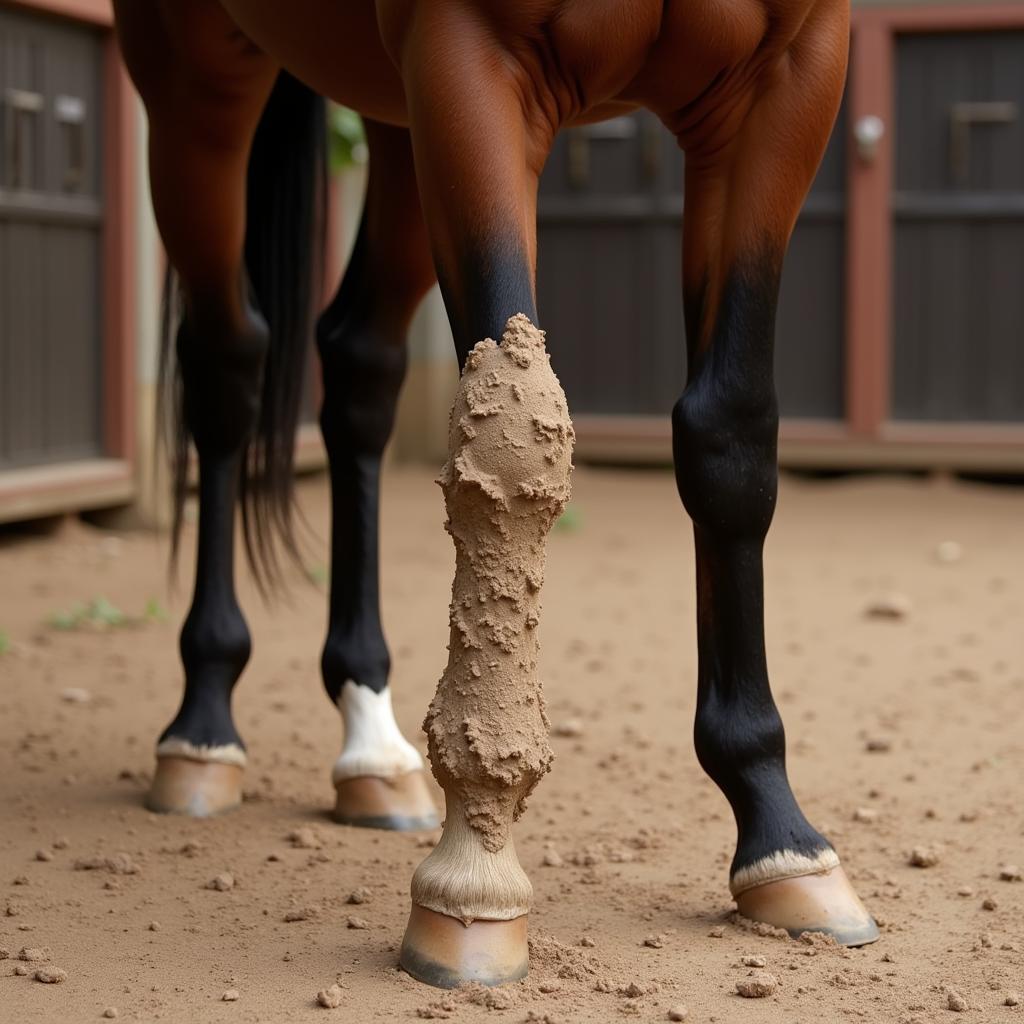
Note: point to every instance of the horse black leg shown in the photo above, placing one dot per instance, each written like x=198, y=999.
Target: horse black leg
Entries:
x=378, y=778
x=742, y=196
x=204, y=88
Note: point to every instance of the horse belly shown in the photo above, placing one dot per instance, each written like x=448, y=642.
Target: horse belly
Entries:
x=335, y=48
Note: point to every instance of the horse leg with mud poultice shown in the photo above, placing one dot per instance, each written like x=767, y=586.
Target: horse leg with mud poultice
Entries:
x=750, y=89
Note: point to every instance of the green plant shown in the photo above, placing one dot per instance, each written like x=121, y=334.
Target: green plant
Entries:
x=346, y=140
x=99, y=613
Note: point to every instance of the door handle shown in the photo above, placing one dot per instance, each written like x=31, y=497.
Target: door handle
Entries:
x=962, y=116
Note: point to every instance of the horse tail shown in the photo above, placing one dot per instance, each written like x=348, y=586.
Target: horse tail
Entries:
x=284, y=242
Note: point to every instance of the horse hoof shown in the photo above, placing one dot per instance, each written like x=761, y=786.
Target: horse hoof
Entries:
x=825, y=902
x=199, y=789
x=442, y=951
x=402, y=803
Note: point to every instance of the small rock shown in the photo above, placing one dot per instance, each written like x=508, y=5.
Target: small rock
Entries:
x=678, y=1012
x=965, y=890
x=757, y=985
x=955, y=1001
x=21, y=970
x=923, y=857
x=302, y=914
x=359, y=895
x=44, y=855
x=866, y=815
x=1012, y=999
x=31, y=955
x=330, y=998
x=893, y=606
x=110, y=1012
x=223, y=882
x=75, y=695
x=717, y=932
x=359, y=923
x=4, y=952
x=552, y=858
x=587, y=942
x=570, y=727
x=304, y=839
x=754, y=961
x=231, y=995
x=1010, y=873
x=51, y=975
x=61, y=843
x=878, y=745
x=154, y=926
x=654, y=941
x=988, y=903
x=948, y=551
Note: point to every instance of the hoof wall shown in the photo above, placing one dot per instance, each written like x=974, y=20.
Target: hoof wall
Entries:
x=401, y=804
x=199, y=789
x=825, y=902
x=442, y=951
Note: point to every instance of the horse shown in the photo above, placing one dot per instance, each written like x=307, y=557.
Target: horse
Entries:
x=462, y=100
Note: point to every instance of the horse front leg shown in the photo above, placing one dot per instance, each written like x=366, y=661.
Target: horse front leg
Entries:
x=361, y=336
x=505, y=483
x=743, y=193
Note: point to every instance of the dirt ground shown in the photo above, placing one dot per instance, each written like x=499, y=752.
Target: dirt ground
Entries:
x=903, y=732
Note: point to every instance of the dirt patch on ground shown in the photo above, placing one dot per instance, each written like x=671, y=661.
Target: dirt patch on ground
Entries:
x=896, y=660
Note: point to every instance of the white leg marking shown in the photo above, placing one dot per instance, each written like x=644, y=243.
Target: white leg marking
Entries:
x=227, y=753
x=782, y=864
x=374, y=745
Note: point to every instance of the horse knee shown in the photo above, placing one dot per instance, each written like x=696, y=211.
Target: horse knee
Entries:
x=724, y=451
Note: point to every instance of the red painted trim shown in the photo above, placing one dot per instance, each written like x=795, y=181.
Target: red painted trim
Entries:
x=869, y=233
x=97, y=12
x=964, y=17
x=119, y=279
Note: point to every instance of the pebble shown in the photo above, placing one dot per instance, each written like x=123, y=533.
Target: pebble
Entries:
x=223, y=882
x=51, y=975
x=654, y=942
x=588, y=942
x=1012, y=999
x=923, y=857
x=965, y=890
x=894, y=606
x=988, y=903
x=754, y=961
x=61, y=843
x=866, y=815
x=110, y=1012
x=552, y=859
x=21, y=970
x=757, y=985
x=44, y=855
x=359, y=923
x=1010, y=873
x=955, y=1001
x=329, y=998
x=678, y=1012
x=717, y=932
x=31, y=955
x=304, y=839
x=878, y=745
x=154, y=926
x=570, y=727
x=75, y=695
x=231, y=995
x=359, y=895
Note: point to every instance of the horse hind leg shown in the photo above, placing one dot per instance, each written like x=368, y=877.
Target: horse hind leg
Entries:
x=505, y=482
x=204, y=91
x=741, y=202
x=361, y=336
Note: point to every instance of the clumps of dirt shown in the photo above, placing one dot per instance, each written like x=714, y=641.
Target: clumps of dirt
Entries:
x=757, y=985
x=1010, y=873
x=330, y=998
x=224, y=882
x=231, y=995
x=51, y=975
x=357, y=923
x=678, y=1012
x=753, y=960
x=894, y=607
x=551, y=957
x=759, y=928
x=923, y=857
x=955, y=1001
x=31, y=954
x=359, y=895
x=119, y=864
x=306, y=913
x=44, y=855
x=305, y=838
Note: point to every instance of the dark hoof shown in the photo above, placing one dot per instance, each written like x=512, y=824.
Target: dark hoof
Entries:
x=442, y=951
x=825, y=902
x=401, y=804
x=199, y=789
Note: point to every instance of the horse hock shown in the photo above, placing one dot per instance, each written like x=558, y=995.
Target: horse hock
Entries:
x=505, y=483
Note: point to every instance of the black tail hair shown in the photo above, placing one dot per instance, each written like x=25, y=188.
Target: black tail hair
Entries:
x=284, y=244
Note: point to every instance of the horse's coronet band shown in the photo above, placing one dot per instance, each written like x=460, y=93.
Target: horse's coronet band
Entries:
x=196, y=788
x=447, y=952
x=401, y=803
x=822, y=902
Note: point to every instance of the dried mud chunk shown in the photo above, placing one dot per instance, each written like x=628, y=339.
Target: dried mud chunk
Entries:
x=330, y=998
x=678, y=1012
x=955, y=1001
x=223, y=882
x=923, y=857
x=757, y=985
x=1010, y=873
x=51, y=975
